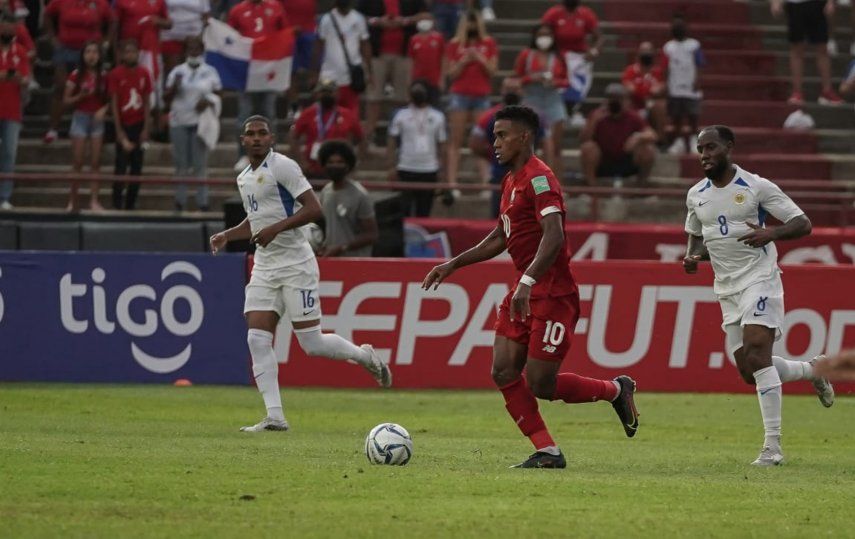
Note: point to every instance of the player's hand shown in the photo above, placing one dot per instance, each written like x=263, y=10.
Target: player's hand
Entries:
x=690, y=263
x=520, y=302
x=839, y=367
x=437, y=275
x=264, y=236
x=758, y=237
x=218, y=242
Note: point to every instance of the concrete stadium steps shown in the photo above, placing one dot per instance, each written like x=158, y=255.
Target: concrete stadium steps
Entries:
x=771, y=114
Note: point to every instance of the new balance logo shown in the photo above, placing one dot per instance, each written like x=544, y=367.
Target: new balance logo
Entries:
x=549, y=349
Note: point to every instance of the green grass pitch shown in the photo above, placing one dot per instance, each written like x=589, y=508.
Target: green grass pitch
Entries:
x=154, y=461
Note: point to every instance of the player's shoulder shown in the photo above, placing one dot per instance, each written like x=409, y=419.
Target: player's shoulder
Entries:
x=282, y=166
x=702, y=185
x=750, y=180
x=539, y=176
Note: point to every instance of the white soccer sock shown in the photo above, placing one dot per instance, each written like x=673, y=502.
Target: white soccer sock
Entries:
x=790, y=370
x=769, y=394
x=266, y=371
x=330, y=345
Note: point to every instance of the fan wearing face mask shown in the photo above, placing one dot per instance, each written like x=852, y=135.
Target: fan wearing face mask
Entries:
x=544, y=75
x=645, y=81
x=426, y=50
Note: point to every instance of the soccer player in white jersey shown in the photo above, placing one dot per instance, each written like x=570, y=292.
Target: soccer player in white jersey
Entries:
x=725, y=223
x=278, y=200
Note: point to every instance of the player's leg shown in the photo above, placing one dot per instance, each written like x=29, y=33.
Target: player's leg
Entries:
x=265, y=368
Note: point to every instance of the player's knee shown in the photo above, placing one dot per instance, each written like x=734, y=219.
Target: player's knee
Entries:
x=542, y=387
x=747, y=375
x=258, y=341
x=503, y=376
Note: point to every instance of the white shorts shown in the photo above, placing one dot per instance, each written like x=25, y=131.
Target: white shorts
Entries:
x=291, y=291
x=760, y=304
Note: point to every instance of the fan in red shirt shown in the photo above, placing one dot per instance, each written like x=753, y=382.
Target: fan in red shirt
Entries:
x=142, y=20
x=256, y=18
x=426, y=50
x=14, y=77
x=301, y=15
x=645, y=82
x=321, y=121
x=538, y=317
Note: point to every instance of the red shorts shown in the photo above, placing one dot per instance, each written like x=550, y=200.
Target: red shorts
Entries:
x=548, y=332
x=348, y=99
x=175, y=48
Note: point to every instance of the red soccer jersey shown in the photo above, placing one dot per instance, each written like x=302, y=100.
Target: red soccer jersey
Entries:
x=131, y=86
x=80, y=20
x=426, y=49
x=571, y=29
x=527, y=197
x=135, y=19
x=301, y=13
x=13, y=58
x=642, y=83
x=392, y=39
x=256, y=19
x=316, y=127
x=529, y=63
x=88, y=82
x=473, y=80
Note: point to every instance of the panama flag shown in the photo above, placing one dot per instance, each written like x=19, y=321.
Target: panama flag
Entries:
x=251, y=65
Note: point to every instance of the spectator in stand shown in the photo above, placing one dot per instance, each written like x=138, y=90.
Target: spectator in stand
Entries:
x=22, y=35
x=71, y=23
x=579, y=40
x=324, y=120
x=301, y=15
x=142, y=21
x=349, y=221
x=14, y=78
x=544, y=74
x=343, y=36
x=191, y=88
x=86, y=94
x=188, y=19
x=472, y=58
x=447, y=15
x=256, y=18
x=683, y=59
x=391, y=25
x=806, y=22
x=426, y=51
x=616, y=142
x=415, y=148
x=130, y=89
x=645, y=82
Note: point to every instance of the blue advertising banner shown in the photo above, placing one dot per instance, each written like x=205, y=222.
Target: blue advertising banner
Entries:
x=115, y=317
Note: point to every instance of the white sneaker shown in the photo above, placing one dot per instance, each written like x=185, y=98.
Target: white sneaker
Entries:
x=6, y=206
x=267, y=424
x=577, y=120
x=242, y=163
x=822, y=386
x=769, y=456
x=831, y=46
x=50, y=136
x=678, y=147
x=488, y=14
x=378, y=368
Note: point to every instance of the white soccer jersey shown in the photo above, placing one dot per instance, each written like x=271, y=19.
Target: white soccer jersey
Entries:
x=269, y=195
x=720, y=216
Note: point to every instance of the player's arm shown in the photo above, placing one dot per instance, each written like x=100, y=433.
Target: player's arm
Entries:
x=308, y=213
x=795, y=228
x=551, y=244
x=239, y=232
x=696, y=252
x=490, y=247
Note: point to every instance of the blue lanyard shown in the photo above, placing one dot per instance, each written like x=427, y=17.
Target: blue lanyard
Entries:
x=323, y=128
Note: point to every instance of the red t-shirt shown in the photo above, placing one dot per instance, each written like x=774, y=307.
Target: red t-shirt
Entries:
x=15, y=57
x=426, y=49
x=339, y=123
x=527, y=197
x=23, y=38
x=611, y=133
x=642, y=82
x=392, y=39
x=131, y=13
x=97, y=97
x=253, y=19
x=473, y=79
x=131, y=86
x=301, y=13
x=80, y=21
x=571, y=29
x=529, y=63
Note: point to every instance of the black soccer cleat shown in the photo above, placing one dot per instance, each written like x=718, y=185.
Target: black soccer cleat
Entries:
x=624, y=405
x=543, y=460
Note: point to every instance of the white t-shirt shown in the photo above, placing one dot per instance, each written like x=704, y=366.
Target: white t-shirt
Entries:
x=269, y=194
x=684, y=58
x=354, y=30
x=420, y=130
x=720, y=216
x=196, y=83
x=186, y=17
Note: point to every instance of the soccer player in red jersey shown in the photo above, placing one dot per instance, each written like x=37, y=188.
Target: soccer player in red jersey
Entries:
x=538, y=316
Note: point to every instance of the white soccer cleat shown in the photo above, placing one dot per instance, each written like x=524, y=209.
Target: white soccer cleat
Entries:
x=822, y=386
x=267, y=424
x=378, y=368
x=769, y=456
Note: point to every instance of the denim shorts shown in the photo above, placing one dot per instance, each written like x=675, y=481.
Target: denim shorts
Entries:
x=64, y=56
x=468, y=102
x=84, y=125
x=303, y=51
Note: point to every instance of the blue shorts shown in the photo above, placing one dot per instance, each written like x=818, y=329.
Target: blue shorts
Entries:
x=303, y=51
x=468, y=102
x=68, y=58
x=84, y=125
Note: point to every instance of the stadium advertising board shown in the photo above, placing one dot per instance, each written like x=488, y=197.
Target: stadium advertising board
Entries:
x=81, y=317
x=647, y=319
x=443, y=238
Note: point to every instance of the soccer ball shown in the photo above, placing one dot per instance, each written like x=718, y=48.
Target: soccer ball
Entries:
x=314, y=234
x=388, y=443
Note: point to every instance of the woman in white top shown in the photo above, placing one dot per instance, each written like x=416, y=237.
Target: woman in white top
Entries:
x=188, y=19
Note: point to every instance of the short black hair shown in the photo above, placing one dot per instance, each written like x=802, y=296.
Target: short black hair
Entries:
x=520, y=114
x=256, y=118
x=337, y=147
x=724, y=132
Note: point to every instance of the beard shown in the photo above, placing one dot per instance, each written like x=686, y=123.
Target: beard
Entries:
x=717, y=171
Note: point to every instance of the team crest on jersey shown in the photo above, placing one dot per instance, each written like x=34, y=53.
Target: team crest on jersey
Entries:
x=739, y=198
x=260, y=179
